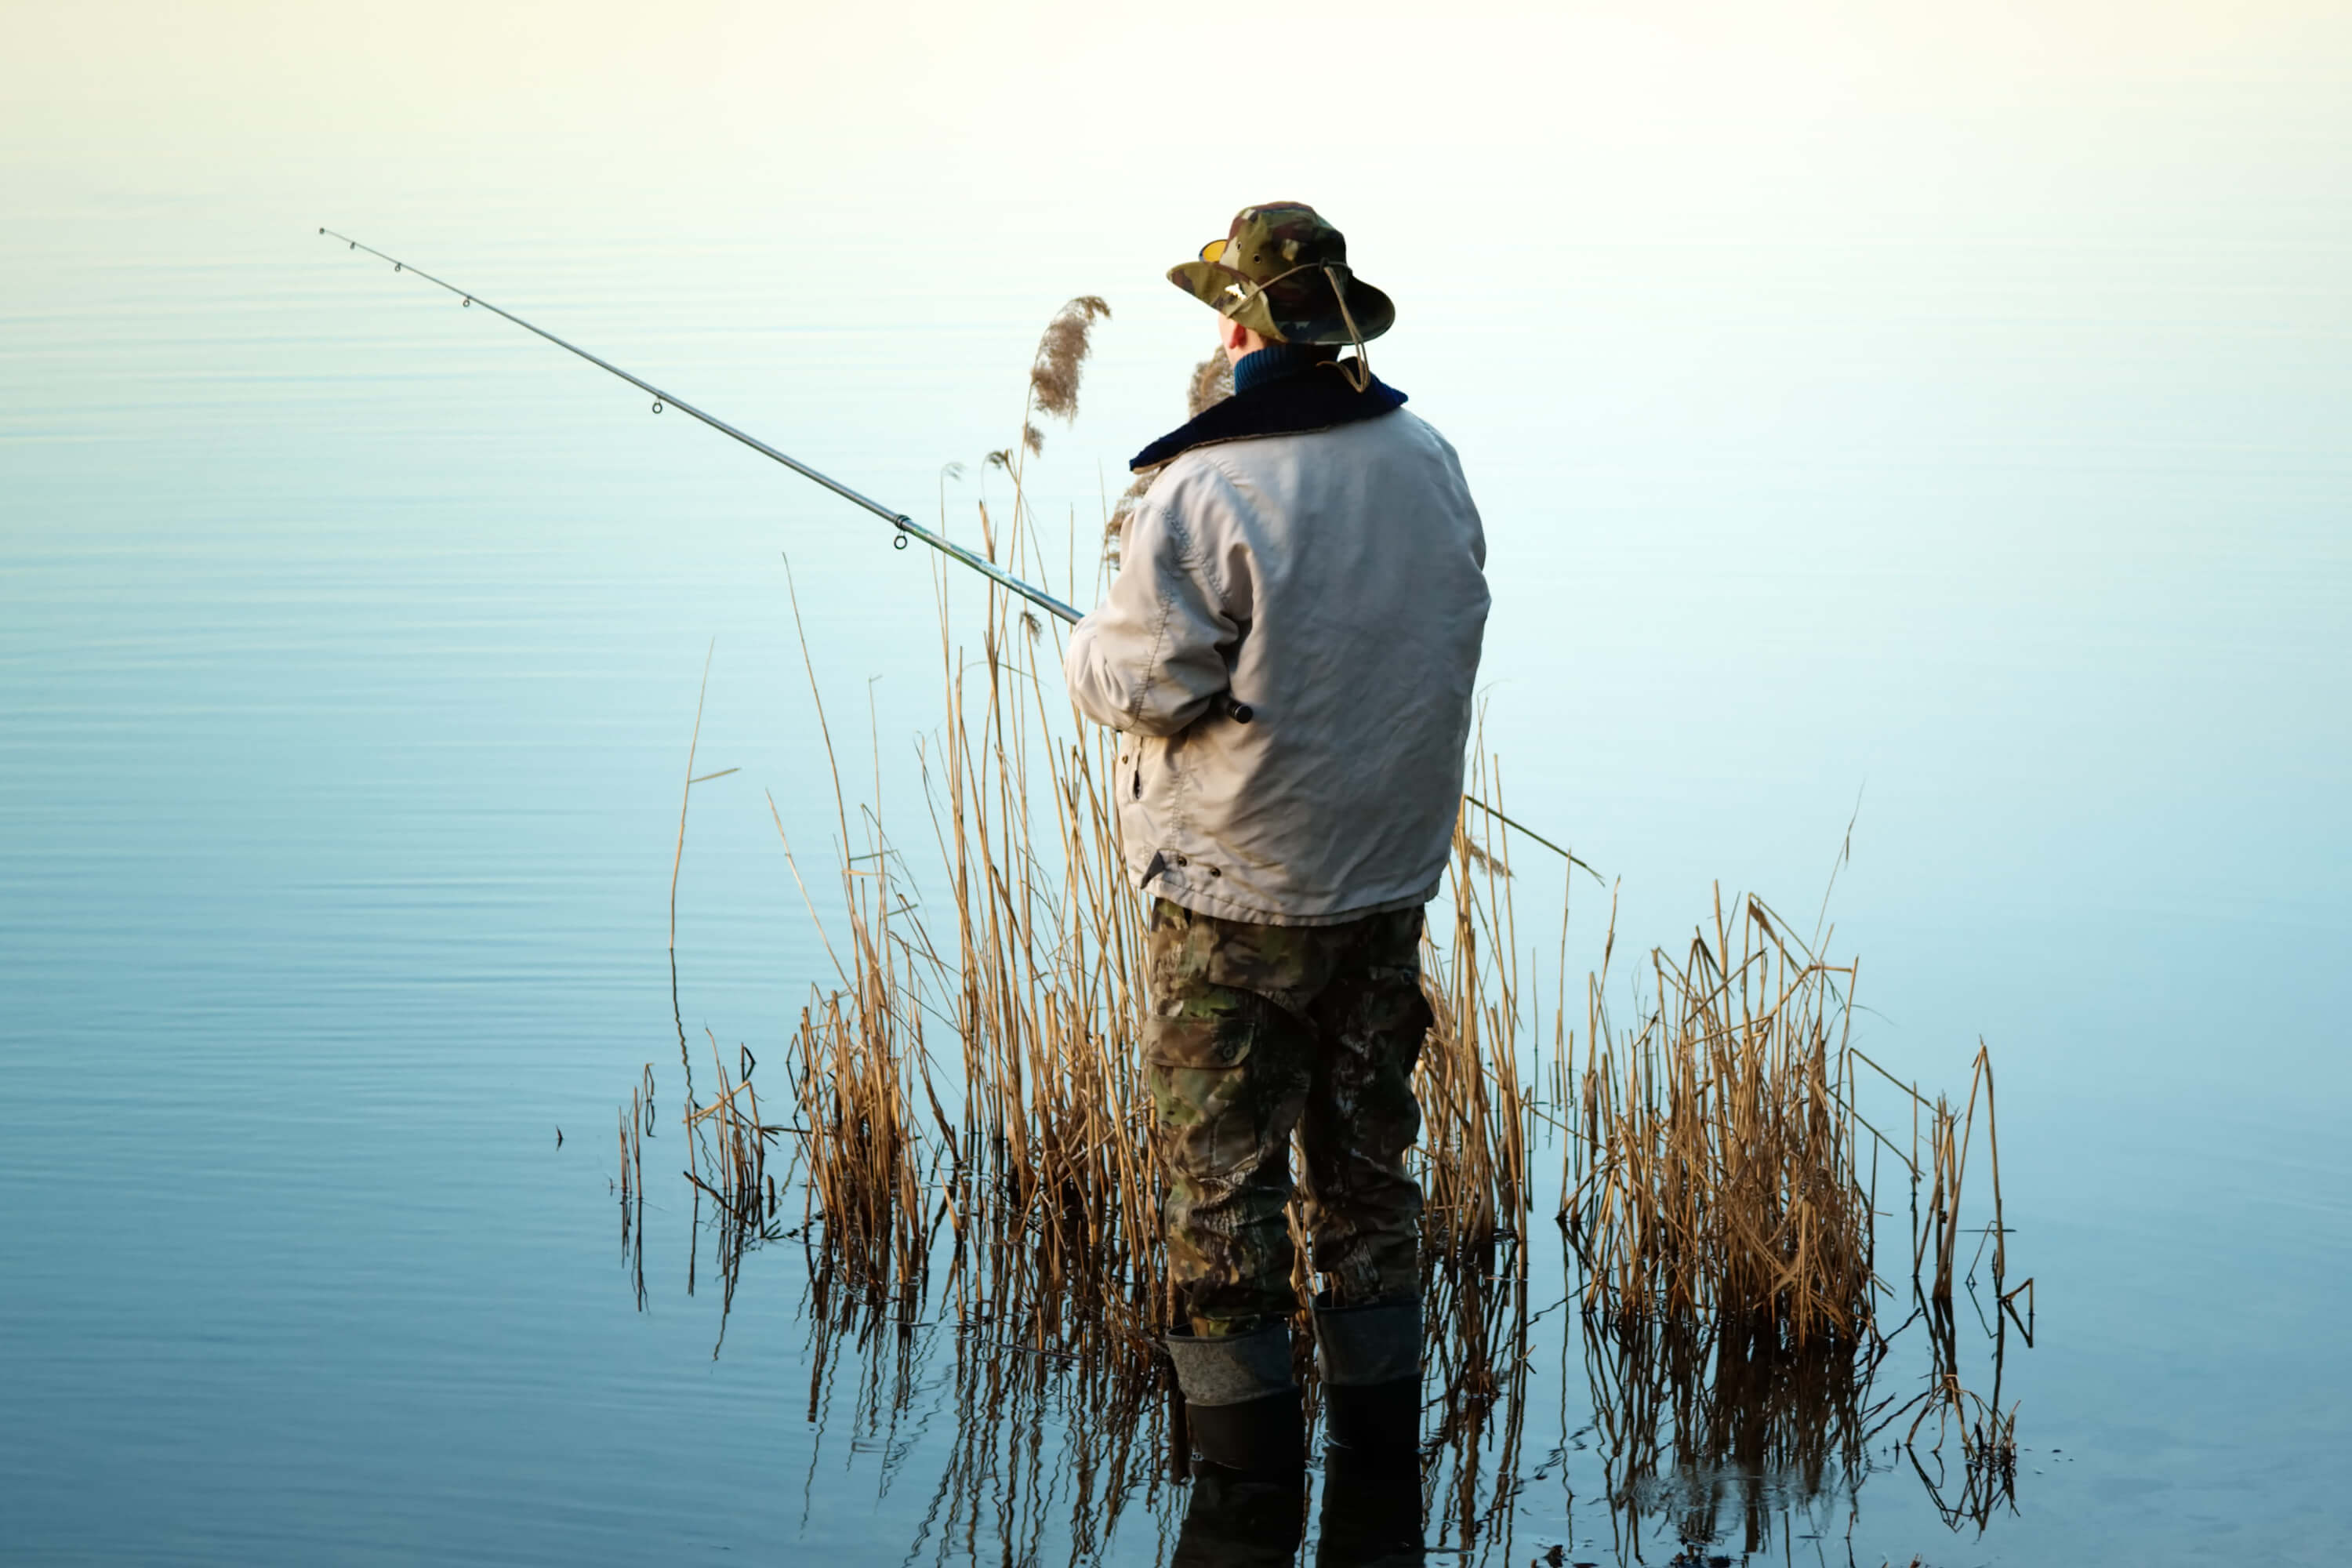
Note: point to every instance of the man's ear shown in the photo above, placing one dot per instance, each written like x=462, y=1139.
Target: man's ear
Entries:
x=1230, y=334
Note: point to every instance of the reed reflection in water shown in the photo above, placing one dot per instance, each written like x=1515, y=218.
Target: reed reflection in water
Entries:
x=1722, y=1440
x=1713, y=1433
x=1070, y=1447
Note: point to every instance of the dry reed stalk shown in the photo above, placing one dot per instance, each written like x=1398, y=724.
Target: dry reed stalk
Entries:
x=859, y=1055
x=1951, y=1136
x=734, y=1142
x=1477, y=1117
x=686, y=795
x=1987, y=1433
x=635, y=1123
x=1935, y=1234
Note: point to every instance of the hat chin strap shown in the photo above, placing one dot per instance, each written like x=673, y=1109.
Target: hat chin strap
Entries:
x=1357, y=374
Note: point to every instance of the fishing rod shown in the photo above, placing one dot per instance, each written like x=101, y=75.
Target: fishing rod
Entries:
x=907, y=526
x=1234, y=708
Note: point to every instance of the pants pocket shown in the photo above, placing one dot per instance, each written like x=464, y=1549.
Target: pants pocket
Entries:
x=1204, y=1096
x=1202, y=1042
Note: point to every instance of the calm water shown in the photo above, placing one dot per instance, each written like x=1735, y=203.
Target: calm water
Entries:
x=349, y=645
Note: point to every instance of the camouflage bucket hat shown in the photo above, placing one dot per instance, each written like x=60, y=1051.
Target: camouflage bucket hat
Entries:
x=1282, y=272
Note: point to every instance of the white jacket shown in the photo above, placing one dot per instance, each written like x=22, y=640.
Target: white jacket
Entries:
x=1334, y=582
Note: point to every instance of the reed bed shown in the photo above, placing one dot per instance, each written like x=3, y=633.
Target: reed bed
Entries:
x=1714, y=1166
x=1712, y=1178
x=1054, y=1185
x=1046, y=1174
x=861, y=1150
x=1711, y=1156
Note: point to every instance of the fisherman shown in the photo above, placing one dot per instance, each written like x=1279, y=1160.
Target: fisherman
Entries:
x=1289, y=649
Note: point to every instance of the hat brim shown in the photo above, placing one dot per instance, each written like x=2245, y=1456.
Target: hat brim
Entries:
x=1223, y=291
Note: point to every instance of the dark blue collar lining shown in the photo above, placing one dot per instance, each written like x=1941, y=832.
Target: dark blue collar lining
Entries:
x=1314, y=398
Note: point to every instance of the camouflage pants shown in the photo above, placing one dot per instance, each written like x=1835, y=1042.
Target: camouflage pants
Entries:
x=1260, y=1031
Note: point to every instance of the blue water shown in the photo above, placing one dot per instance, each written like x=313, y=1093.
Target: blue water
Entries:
x=349, y=650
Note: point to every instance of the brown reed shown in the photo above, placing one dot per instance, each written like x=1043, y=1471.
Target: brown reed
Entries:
x=857, y=1054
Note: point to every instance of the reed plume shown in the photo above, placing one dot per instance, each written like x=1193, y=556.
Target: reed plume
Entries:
x=1060, y=361
x=1212, y=383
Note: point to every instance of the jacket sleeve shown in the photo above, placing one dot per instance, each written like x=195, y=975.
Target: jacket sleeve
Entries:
x=1156, y=650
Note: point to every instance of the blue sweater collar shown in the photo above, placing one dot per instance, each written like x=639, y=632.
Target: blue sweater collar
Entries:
x=1275, y=361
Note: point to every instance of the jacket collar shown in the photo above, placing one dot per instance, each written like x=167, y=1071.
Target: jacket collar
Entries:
x=1315, y=398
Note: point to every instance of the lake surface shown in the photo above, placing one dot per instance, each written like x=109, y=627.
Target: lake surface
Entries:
x=349, y=645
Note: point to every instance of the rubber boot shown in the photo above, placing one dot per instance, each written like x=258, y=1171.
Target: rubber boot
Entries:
x=1370, y=1515
x=1371, y=1361
x=1241, y=1520
x=1239, y=1403
x=1258, y=1437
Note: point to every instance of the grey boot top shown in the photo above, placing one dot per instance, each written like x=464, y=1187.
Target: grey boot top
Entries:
x=1361, y=1346
x=1233, y=1369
